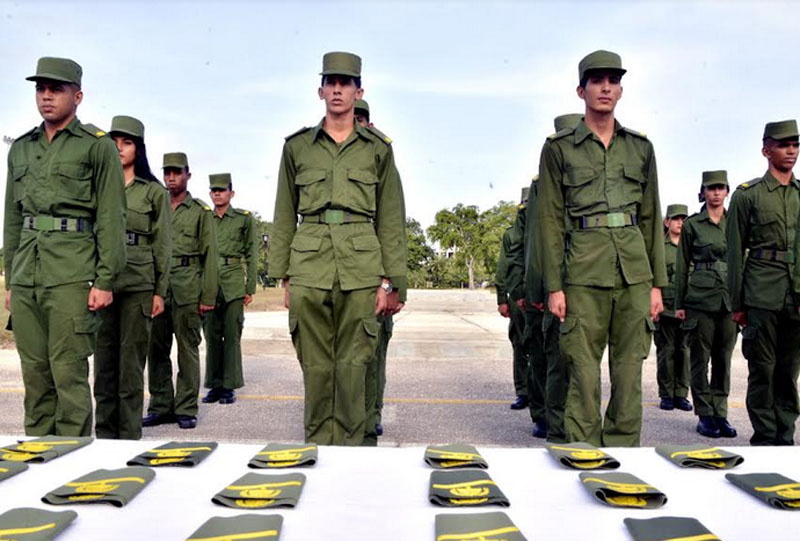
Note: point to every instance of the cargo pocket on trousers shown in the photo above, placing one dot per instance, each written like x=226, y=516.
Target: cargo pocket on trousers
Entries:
x=369, y=339
x=689, y=328
x=194, y=324
x=749, y=335
x=647, y=337
x=84, y=327
x=569, y=338
x=293, y=331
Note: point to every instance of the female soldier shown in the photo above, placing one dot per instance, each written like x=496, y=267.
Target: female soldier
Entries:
x=703, y=303
x=124, y=330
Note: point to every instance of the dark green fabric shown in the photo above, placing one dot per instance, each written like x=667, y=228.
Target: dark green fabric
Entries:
x=668, y=292
x=782, y=129
x=711, y=337
x=341, y=63
x=515, y=256
x=477, y=526
x=535, y=367
x=600, y=60
x=557, y=380
x=10, y=469
x=582, y=456
x=223, y=327
x=175, y=453
x=237, y=244
x=699, y=455
x=622, y=490
x=376, y=379
x=672, y=358
x=57, y=69
x=668, y=529
x=465, y=488
x=117, y=487
x=715, y=178
x=258, y=491
x=177, y=160
x=284, y=455
x=256, y=527
x=454, y=455
x=517, y=337
x=34, y=524
x=43, y=449
x=773, y=488
x=127, y=125
x=502, y=268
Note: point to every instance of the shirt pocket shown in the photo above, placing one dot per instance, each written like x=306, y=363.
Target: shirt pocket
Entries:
x=304, y=254
x=367, y=256
x=138, y=217
x=702, y=251
x=362, y=192
x=17, y=174
x=767, y=230
x=313, y=190
x=75, y=181
x=633, y=184
x=580, y=190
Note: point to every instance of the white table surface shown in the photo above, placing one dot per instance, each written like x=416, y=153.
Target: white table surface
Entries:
x=382, y=494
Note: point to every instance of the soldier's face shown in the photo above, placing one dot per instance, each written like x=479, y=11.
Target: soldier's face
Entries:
x=602, y=91
x=715, y=195
x=340, y=94
x=675, y=225
x=362, y=120
x=176, y=179
x=782, y=155
x=220, y=197
x=57, y=101
x=127, y=150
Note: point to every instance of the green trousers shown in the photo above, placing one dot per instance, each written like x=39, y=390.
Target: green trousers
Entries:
x=536, y=370
x=672, y=359
x=596, y=317
x=119, y=359
x=335, y=334
x=54, y=333
x=557, y=380
x=711, y=336
x=223, y=330
x=184, y=322
x=516, y=334
x=771, y=345
x=376, y=380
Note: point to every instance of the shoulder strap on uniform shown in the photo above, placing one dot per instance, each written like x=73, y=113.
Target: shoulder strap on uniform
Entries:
x=561, y=133
x=379, y=134
x=201, y=204
x=91, y=129
x=749, y=184
x=242, y=212
x=298, y=132
x=27, y=133
x=634, y=132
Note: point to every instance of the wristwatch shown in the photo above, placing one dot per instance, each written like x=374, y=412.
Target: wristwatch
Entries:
x=387, y=287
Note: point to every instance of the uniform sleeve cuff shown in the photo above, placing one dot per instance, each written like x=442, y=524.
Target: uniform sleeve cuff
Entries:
x=400, y=283
x=102, y=284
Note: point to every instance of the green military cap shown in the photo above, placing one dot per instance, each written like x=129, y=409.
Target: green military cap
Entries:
x=600, y=60
x=57, y=69
x=715, y=178
x=127, y=125
x=677, y=210
x=220, y=180
x=175, y=159
x=338, y=63
x=525, y=191
x=363, y=106
x=785, y=129
x=562, y=122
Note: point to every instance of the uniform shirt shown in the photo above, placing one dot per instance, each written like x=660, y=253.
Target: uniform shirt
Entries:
x=534, y=281
x=702, y=241
x=502, y=267
x=579, y=177
x=357, y=176
x=515, y=256
x=762, y=215
x=148, y=221
x=668, y=292
x=236, y=242
x=77, y=175
x=194, y=240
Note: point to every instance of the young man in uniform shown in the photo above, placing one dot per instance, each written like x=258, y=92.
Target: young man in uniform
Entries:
x=341, y=265
x=64, y=241
x=193, y=286
x=762, y=223
x=604, y=285
x=238, y=263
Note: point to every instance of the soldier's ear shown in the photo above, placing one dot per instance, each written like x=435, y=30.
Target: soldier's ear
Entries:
x=319, y=93
x=78, y=97
x=359, y=93
x=581, y=92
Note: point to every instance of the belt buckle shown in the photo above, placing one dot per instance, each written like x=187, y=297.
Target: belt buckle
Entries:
x=615, y=219
x=334, y=216
x=184, y=261
x=31, y=222
x=63, y=226
x=132, y=239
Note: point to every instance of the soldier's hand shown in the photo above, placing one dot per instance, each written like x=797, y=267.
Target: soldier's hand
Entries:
x=391, y=303
x=248, y=299
x=521, y=304
x=158, y=306
x=205, y=308
x=400, y=306
x=680, y=314
x=656, y=304
x=503, y=309
x=285, y=285
x=557, y=302
x=380, y=301
x=8, y=300
x=99, y=299
x=740, y=318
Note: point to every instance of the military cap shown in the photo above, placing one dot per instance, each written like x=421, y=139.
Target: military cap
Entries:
x=339, y=63
x=57, y=69
x=600, y=60
x=785, y=129
x=677, y=210
x=363, y=106
x=220, y=180
x=715, y=178
x=525, y=191
x=177, y=160
x=127, y=125
x=562, y=122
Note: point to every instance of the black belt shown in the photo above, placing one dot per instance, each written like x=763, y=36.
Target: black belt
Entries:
x=609, y=219
x=54, y=223
x=135, y=239
x=230, y=260
x=184, y=260
x=335, y=216
x=768, y=254
x=721, y=266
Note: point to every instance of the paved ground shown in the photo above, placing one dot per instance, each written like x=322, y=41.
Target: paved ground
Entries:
x=449, y=379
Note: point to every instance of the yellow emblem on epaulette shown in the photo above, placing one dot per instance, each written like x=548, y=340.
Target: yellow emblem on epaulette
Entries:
x=247, y=213
x=744, y=185
x=100, y=133
x=206, y=207
x=387, y=140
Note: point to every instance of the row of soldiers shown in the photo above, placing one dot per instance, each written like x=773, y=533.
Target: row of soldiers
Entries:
x=589, y=263
x=101, y=258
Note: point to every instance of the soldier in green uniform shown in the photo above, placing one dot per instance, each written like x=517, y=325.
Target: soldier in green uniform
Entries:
x=761, y=232
x=672, y=355
x=124, y=332
x=703, y=304
x=238, y=262
x=521, y=319
x=604, y=280
x=64, y=241
x=193, y=283
x=342, y=264
x=376, y=369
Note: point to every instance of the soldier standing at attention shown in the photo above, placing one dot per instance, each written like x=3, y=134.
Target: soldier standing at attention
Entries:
x=124, y=332
x=193, y=283
x=762, y=223
x=376, y=370
x=238, y=262
x=605, y=287
x=342, y=264
x=672, y=355
x=64, y=244
x=522, y=320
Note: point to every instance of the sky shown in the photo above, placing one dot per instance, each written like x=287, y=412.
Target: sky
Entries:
x=466, y=90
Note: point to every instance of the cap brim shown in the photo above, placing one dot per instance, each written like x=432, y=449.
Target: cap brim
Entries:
x=620, y=71
x=124, y=132
x=337, y=72
x=782, y=136
x=50, y=77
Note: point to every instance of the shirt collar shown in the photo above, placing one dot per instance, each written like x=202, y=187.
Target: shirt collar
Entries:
x=187, y=201
x=74, y=127
x=773, y=183
x=319, y=128
x=582, y=131
x=228, y=212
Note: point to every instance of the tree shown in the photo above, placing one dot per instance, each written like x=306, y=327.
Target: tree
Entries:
x=420, y=254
